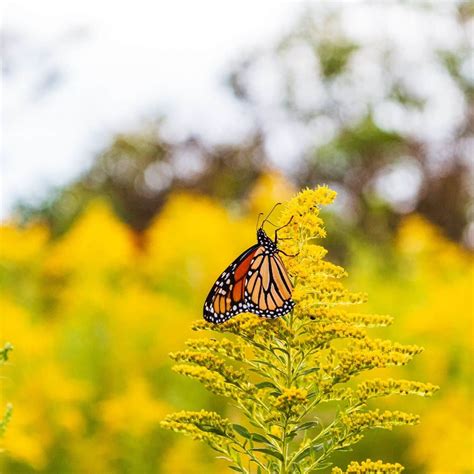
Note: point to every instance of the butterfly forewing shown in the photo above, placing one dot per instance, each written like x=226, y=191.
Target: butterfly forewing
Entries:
x=226, y=298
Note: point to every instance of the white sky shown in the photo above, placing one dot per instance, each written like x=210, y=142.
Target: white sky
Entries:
x=118, y=63
x=121, y=62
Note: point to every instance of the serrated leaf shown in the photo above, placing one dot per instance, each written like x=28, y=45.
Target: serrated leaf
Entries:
x=242, y=430
x=270, y=452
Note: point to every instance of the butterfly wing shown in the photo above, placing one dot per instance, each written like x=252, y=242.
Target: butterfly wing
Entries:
x=255, y=282
x=268, y=288
x=227, y=297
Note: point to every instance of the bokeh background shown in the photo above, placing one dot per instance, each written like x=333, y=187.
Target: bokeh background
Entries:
x=141, y=140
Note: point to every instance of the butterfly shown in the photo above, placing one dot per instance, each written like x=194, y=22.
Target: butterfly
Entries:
x=255, y=282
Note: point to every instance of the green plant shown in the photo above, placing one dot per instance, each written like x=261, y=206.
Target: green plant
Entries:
x=9, y=408
x=279, y=373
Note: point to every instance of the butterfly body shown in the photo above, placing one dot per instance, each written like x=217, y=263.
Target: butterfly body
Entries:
x=256, y=282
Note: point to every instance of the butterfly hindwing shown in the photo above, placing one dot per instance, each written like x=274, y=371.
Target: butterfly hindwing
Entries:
x=268, y=289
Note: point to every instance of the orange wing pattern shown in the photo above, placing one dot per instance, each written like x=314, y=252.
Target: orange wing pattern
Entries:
x=226, y=298
x=256, y=282
x=268, y=288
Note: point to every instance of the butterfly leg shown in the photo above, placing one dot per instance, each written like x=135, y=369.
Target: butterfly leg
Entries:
x=287, y=254
x=282, y=227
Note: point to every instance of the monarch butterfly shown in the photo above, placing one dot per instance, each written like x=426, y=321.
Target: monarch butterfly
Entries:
x=255, y=282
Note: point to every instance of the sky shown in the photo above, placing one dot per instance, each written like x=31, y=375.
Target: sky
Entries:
x=77, y=72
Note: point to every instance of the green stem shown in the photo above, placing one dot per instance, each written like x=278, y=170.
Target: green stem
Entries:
x=288, y=383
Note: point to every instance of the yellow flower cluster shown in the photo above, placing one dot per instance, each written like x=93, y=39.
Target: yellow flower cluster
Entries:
x=300, y=360
x=304, y=223
x=322, y=333
x=428, y=282
x=22, y=245
x=213, y=381
x=248, y=326
x=212, y=363
x=200, y=418
x=225, y=347
x=370, y=467
x=93, y=316
x=291, y=399
x=379, y=388
x=360, y=421
x=340, y=315
x=366, y=354
x=201, y=425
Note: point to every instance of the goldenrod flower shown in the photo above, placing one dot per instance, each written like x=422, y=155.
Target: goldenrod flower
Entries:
x=291, y=399
x=370, y=467
x=277, y=372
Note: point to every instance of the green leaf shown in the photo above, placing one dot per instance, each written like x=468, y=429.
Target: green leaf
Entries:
x=281, y=350
x=242, y=430
x=266, y=384
x=270, y=452
x=263, y=362
x=235, y=468
x=304, y=454
x=307, y=425
x=308, y=371
x=260, y=438
x=211, y=429
x=276, y=438
x=323, y=466
x=307, y=452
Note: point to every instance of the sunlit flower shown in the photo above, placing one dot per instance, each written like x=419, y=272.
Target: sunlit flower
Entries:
x=297, y=362
x=370, y=467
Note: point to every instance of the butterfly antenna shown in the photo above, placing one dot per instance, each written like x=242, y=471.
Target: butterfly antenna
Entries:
x=270, y=213
x=258, y=219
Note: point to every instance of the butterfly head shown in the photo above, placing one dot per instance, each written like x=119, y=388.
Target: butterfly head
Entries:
x=266, y=241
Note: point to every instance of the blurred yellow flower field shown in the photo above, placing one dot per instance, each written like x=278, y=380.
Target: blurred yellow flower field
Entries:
x=93, y=314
